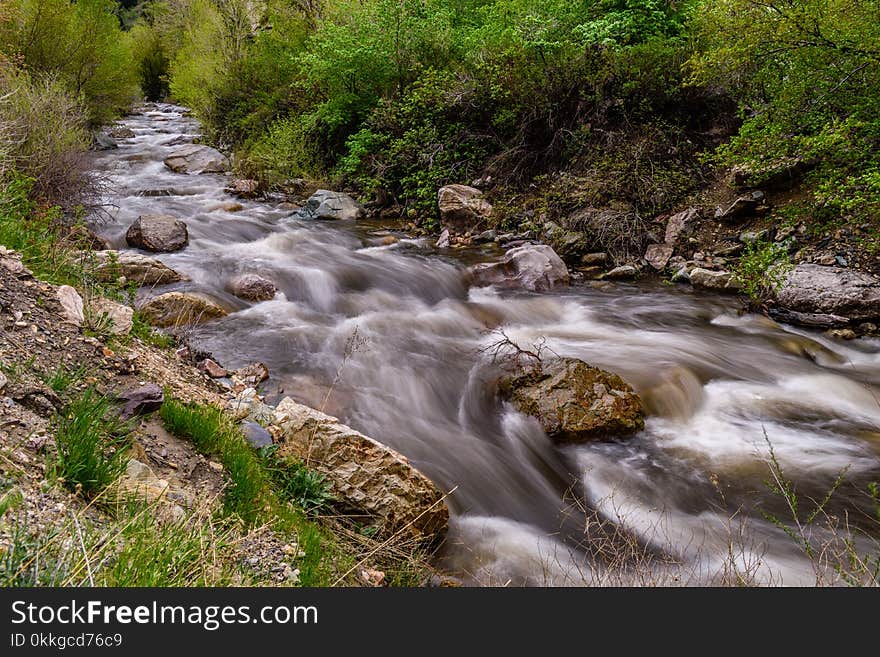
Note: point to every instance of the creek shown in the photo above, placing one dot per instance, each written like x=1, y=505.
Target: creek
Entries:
x=389, y=338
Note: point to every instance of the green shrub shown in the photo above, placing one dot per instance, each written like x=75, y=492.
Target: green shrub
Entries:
x=36, y=232
x=64, y=377
x=148, y=51
x=91, y=444
x=807, y=76
x=762, y=270
x=44, y=127
x=415, y=145
x=282, y=152
x=295, y=482
x=395, y=99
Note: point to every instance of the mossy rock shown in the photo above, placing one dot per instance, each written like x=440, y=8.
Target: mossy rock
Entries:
x=574, y=401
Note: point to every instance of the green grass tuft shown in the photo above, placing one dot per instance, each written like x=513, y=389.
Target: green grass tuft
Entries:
x=213, y=433
x=149, y=335
x=64, y=377
x=258, y=491
x=296, y=483
x=91, y=444
x=132, y=549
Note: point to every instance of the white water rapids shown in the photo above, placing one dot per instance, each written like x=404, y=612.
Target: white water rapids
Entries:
x=403, y=338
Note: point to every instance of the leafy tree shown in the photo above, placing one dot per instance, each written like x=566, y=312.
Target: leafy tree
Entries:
x=81, y=44
x=808, y=76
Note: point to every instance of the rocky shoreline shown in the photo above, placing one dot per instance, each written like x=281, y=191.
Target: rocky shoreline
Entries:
x=693, y=247
x=50, y=329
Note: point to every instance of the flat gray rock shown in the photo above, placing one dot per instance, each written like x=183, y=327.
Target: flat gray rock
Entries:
x=821, y=290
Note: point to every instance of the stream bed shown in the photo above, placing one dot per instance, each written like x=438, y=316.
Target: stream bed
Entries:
x=389, y=338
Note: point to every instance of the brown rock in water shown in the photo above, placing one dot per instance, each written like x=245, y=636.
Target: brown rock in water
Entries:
x=574, y=401
x=244, y=188
x=327, y=205
x=121, y=132
x=181, y=308
x=159, y=233
x=365, y=476
x=194, y=159
x=252, y=287
x=135, y=267
x=621, y=273
x=592, y=259
x=714, y=280
x=462, y=207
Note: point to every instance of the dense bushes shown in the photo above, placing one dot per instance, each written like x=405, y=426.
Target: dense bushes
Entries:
x=79, y=44
x=808, y=77
x=45, y=137
x=395, y=98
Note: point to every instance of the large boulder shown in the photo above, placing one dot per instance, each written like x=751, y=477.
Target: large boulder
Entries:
x=714, y=280
x=325, y=204
x=574, y=401
x=252, y=287
x=160, y=233
x=180, y=309
x=364, y=475
x=462, y=207
x=534, y=267
x=195, y=159
x=135, y=267
x=835, y=291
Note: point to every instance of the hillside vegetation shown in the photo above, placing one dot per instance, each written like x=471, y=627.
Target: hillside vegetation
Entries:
x=638, y=103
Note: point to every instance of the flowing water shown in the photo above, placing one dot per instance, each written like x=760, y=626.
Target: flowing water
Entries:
x=389, y=338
